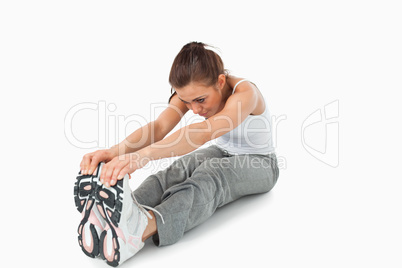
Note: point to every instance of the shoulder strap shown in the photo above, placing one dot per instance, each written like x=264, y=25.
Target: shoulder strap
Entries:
x=234, y=88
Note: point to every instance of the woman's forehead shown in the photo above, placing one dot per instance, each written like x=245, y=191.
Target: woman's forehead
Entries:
x=193, y=91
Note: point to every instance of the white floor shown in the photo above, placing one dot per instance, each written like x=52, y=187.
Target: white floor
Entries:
x=310, y=219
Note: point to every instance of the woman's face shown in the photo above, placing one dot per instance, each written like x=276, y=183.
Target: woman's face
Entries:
x=203, y=100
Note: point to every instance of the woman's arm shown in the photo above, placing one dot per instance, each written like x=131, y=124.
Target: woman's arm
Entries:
x=155, y=130
x=187, y=139
x=238, y=106
x=141, y=138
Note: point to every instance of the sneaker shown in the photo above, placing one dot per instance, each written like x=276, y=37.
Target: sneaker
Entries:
x=92, y=223
x=126, y=221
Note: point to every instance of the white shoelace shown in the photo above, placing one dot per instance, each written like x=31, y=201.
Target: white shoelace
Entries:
x=143, y=209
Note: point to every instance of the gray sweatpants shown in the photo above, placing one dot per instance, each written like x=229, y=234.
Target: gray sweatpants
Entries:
x=190, y=190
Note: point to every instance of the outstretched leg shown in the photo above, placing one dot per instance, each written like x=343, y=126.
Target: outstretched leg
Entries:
x=214, y=183
x=151, y=190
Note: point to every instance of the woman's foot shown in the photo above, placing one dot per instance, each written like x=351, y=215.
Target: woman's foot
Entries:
x=126, y=221
x=92, y=224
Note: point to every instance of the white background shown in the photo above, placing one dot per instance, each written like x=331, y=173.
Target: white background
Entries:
x=303, y=55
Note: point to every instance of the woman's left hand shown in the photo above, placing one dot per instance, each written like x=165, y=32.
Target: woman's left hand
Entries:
x=119, y=166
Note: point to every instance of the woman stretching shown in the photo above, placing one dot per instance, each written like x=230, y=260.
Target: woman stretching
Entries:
x=242, y=161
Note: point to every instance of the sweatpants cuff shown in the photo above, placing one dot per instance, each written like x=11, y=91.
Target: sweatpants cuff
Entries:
x=173, y=229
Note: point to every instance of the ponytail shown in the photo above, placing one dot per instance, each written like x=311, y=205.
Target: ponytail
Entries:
x=196, y=63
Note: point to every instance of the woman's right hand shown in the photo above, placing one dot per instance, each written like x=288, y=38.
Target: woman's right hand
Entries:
x=90, y=161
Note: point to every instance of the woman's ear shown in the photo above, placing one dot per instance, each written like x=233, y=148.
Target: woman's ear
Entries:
x=221, y=81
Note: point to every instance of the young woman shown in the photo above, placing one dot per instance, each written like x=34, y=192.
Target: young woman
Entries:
x=116, y=221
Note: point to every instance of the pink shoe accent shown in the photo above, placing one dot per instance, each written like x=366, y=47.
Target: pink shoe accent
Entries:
x=105, y=251
x=89, y=203
x=94, y=220
x=119, y=233
x=134, y=241
x=100, y=209
x=87, y=188
x=104, y=194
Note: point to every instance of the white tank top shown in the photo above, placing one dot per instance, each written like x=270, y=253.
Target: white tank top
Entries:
x=252, y=136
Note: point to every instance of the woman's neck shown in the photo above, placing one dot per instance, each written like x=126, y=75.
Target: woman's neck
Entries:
x=226, y=91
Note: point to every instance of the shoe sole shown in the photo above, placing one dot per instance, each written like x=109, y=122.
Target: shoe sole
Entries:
x=85, y=189
x=109, y=203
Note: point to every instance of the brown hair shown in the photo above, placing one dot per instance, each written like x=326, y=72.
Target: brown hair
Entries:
x=195, y=63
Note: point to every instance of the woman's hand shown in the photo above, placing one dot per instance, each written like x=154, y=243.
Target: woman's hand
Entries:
x=90, y=161
x=119, y=166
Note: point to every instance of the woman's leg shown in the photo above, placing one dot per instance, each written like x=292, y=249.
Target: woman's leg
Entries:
x=214, y=183
x=150, y=192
